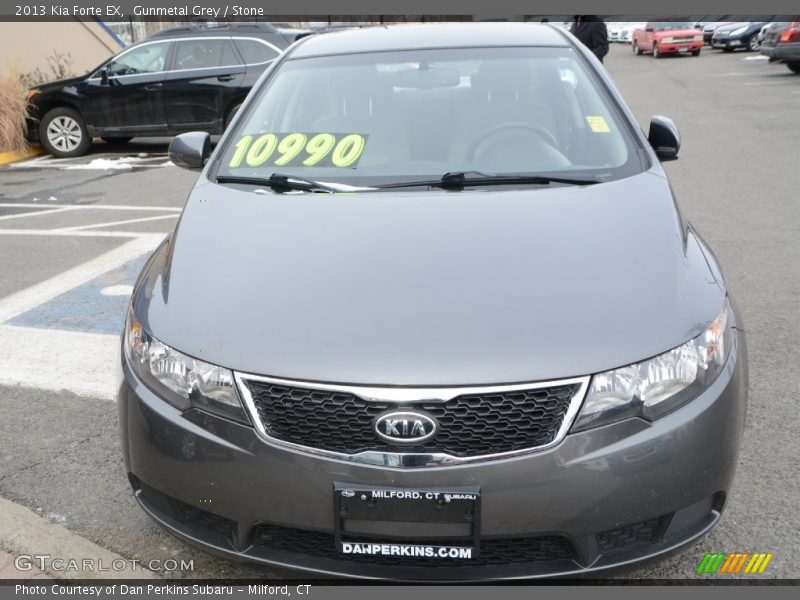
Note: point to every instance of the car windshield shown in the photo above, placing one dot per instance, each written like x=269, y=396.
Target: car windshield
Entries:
x=674, y=25
x=388, y=117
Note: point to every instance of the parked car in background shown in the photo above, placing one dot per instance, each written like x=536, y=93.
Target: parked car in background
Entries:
x=614, y=29
x=762, y=32
x=710, y=28
x=782, y=43
x=668, y=37
x=290, y=31
x=185, y=79
x=737, y=35
x=626, y=33
x=264, y=31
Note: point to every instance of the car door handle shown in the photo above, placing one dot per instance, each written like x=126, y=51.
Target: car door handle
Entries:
x=153, y=86
x=225, y=78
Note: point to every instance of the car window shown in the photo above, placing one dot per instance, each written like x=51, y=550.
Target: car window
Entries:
x=204, y=54
x=149, y=58
x=674, y=25
x=255, y=52
x=389, y=116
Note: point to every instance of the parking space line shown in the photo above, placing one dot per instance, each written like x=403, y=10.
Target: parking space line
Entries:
x=92, y=167
x=112, y=223
x=92, y=206
x=24, y=300
x=33, y=213
x=53, y=359
x=87, y=233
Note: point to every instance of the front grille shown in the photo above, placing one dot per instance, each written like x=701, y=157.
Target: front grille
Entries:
x=493, y=551
x=469, y=425
x=687, y=38
x=638, y=533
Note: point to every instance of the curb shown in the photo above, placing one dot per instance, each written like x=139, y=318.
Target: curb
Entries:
x=24, y=533
x=7, y=158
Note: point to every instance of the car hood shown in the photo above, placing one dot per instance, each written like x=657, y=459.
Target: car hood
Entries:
x=728, y=28
x=430, y=287
x=59, y=83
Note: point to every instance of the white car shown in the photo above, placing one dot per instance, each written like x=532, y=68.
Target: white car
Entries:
x=626, y=32
x=614, y=30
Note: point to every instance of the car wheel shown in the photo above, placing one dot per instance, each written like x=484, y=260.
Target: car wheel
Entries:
x=794, y=66
x=695, y=52
x=117, y=140
x=752, y=43
x=656, y=53
x=232, y=114
x=637, y=50
x=63, y=133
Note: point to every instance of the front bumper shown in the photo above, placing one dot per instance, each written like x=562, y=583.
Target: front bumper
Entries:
x=677, y=47
x=727, y=42
x=599, y=499
x=32, y=130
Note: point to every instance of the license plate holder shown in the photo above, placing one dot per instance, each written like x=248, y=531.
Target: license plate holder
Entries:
x=460, y=505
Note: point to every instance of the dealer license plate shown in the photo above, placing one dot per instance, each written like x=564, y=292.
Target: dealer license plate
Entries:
x=358, y=502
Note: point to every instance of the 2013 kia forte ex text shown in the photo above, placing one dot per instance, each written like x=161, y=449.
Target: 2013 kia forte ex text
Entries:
x=431, y=312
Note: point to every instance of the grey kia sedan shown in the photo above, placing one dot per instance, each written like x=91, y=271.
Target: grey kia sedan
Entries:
x=432, y=312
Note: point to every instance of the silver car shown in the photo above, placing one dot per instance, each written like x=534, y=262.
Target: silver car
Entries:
x=432, y=312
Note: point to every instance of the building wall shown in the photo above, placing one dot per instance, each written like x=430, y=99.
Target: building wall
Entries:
x=28, y=44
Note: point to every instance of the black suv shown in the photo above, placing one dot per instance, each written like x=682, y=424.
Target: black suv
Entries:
x=185, y=79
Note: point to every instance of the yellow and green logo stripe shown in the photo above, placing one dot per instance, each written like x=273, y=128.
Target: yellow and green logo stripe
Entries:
x=734, y=563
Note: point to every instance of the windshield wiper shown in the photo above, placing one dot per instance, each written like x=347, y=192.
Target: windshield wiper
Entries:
x=461, y=179
x=281, y=183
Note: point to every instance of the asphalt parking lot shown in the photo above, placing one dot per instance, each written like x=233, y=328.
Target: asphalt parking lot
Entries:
x=74, y=232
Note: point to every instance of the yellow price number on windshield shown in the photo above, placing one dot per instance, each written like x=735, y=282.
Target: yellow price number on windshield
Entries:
x=296, y=149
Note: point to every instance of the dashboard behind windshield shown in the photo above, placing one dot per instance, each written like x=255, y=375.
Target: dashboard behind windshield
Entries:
x=383, y=117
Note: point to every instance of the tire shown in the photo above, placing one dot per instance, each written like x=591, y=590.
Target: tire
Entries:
x=695, y=52
x=752, y=43
x=794, y=66
x=232, y=114
x=637, y=50
x=63, y=133
x=118, y=140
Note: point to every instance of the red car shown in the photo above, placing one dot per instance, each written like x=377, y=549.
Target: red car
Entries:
x=668, y=37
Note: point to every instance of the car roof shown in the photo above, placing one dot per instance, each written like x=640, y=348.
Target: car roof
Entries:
x=254, y=28
x=439, y=35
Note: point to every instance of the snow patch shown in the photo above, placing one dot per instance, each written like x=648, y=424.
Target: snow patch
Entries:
x=126, y=162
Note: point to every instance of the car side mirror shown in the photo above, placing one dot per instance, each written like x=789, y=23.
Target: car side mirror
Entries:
x=665, y=138
x=649, y=29
x=190, y=150
x=104, y=76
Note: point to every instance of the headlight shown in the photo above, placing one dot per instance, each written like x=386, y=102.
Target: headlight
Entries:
x=698, y=38
x=738, y=31
x=652, y=388
x=182, y=381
